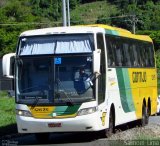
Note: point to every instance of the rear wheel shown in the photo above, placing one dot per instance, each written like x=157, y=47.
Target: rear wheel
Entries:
x=145, y=116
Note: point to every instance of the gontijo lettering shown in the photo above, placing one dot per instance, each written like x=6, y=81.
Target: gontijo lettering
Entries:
x=139, y=77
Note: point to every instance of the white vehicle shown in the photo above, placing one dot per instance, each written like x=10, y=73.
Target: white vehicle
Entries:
x=82, y=78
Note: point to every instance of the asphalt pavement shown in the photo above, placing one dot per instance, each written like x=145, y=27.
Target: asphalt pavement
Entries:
x=66, y=139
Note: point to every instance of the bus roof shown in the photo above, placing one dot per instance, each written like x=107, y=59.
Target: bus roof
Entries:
x=122, y=32
x=93, y=28
x=63, y=30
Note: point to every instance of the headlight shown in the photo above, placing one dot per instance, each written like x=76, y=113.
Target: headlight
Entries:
x=87, y=111
x=23, y=113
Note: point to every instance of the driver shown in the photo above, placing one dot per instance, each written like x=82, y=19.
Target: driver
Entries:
x=83, y=76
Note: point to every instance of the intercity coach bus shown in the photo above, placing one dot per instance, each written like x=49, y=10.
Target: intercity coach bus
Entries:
x=82, y=79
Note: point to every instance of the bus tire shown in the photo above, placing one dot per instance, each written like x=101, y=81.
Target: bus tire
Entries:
x=145, y=117
x=42, y=137
x=109, y=131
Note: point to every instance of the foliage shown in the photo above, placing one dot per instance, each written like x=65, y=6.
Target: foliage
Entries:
x=158, y=60
x=147, y=16
x=8, y=117
x=96, y=12
x=17, y=16
x=7, y=109
x=155, y=35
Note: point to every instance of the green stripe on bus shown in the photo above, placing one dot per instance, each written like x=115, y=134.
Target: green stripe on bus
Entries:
x=128, y=89
x=125, y=90
x=112, y=32
x=66, y=110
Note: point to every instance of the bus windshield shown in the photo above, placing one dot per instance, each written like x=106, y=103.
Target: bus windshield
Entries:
x=56, y=44
x=54, y=80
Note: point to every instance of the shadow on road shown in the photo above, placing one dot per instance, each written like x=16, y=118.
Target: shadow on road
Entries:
x=8, y=130
x=58, y=138
x=73, y=137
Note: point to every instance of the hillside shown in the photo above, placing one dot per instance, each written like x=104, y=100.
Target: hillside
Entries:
x=17, y=16
x=90, y=12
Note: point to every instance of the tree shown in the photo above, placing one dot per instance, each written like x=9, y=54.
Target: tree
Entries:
x=150, y=15
x=2, y=3
x=32, y=14
x=47, y=8
x=16, y=13
x=155, y=35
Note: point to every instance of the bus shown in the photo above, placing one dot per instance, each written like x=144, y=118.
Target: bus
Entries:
x=82, y=79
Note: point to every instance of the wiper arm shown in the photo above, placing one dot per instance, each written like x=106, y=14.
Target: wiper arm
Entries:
x=37, y=99
x=35, y=102
x=36, y=95
x=68, y=101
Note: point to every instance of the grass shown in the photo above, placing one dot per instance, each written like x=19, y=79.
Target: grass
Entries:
x=7, y=114
x=90, y=12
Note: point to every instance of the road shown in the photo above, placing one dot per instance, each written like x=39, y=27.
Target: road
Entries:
x=68, y=139
x=154, y=120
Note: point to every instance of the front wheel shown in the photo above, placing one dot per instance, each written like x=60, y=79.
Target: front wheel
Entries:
x=109, y=131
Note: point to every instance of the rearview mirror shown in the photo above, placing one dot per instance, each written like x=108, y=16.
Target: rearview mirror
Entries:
x=8, y=65
x=96, y=61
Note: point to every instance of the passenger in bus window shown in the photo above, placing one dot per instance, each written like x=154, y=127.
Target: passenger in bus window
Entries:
x=110, y=54
x=118, y=56
x=147, y=57
x=111, y=62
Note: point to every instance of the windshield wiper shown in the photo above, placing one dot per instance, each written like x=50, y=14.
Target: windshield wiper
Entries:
x=40, y=93
x=68, y=99
x=35, y=102
x=36, y=95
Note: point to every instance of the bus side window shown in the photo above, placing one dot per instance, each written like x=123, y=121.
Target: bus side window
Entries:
x=151, y=55
x=126, y=55
x=118, y=54
x=141, y=55
x=147, y=60
x=131, y=54
x=102, y=77
x=110, y=52
x=136, y=62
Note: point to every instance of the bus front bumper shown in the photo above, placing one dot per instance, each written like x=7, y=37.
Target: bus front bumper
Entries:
x=90, y=122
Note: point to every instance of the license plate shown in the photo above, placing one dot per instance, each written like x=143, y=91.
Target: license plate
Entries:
x=52, y=125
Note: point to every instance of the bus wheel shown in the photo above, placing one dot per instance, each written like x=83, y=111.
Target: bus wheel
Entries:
x=109, y=131
x=42, y=137
x=145, y=116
